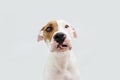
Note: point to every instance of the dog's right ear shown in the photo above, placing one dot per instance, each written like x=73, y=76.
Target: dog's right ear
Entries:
x=40, y=35
x=74, y=33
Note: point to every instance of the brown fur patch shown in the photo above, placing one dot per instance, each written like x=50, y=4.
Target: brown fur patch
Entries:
x=48, y=35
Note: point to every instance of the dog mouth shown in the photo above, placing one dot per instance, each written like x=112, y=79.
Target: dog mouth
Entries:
x=62, y=46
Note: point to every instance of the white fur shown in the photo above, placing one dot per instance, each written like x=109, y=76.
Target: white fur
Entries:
x=61, y=65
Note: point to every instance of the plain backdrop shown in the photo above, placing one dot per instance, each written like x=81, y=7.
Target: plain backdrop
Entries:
x=97, y=47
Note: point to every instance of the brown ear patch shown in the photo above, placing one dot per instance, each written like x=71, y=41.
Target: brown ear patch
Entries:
x=48, y=35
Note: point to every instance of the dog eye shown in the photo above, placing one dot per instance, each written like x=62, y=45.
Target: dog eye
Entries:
x=66, y=26
x=49, y=29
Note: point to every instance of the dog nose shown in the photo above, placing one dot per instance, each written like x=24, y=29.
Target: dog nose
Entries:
x=59, y=37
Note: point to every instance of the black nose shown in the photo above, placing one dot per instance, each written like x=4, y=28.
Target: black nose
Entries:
x=59, y=37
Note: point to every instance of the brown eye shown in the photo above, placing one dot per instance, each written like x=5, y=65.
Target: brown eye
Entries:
x=66, y=26
x=49, y=29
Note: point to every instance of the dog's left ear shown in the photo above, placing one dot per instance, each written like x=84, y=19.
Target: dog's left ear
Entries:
x=40, y=35
x=74, y=33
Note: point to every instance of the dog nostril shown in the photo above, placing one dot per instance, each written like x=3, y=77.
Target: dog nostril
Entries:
x=59, y=37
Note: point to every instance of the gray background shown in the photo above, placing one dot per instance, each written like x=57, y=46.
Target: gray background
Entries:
x=98, y=45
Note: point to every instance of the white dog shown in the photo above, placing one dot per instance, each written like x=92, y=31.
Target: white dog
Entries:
x=62, y=64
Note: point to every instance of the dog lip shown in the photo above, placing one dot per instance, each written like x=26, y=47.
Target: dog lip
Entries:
x=62, y=46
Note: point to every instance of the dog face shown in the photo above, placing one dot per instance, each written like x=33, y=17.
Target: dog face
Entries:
x=58, y=35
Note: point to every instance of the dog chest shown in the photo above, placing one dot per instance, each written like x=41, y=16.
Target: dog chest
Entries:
x=64, y=75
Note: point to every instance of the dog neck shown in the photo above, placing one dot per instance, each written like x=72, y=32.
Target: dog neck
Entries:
x=61, y=59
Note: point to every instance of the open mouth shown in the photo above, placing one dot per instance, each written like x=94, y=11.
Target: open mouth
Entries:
x=62, y=46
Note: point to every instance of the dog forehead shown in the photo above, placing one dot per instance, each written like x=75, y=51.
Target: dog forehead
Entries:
x=61, y=23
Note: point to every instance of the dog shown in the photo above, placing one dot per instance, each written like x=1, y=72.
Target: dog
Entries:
x=62, y=64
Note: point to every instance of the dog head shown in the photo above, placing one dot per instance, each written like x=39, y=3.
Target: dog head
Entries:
x=57, y=35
